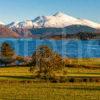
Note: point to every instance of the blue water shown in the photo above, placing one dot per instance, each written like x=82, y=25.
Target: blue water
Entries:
x=67, y=48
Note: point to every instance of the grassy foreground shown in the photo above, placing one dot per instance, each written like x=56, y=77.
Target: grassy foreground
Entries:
x=50, y=91
x=13, y=86
x=16, y=83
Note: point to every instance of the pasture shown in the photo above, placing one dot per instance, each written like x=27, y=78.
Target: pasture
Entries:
x=16, y=83
x=50, y=91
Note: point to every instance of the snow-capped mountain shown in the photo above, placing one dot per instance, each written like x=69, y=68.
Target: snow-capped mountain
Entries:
x=24, y=24
x=58, y=20
x=55, y=26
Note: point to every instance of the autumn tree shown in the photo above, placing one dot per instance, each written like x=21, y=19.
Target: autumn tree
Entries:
x=6, y=54
x=46, y=61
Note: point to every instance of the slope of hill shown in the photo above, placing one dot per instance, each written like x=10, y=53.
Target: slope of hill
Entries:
x=6, y=32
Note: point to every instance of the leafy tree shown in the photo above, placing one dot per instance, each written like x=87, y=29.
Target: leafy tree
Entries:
x=7, y=54
x=46, y=61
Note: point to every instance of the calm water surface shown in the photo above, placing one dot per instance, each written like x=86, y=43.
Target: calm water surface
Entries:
x=67, y=48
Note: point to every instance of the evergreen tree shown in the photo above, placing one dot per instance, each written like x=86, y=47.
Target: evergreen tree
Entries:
x=7, y=54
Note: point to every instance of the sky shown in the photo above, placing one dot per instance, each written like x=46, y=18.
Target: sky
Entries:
x=19, y=10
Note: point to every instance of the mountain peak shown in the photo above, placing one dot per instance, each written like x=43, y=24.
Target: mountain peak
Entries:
x=59, y=14
x=58, y=20
x=64, y=16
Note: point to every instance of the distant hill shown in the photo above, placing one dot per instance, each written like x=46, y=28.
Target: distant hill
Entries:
x=53, y=32
x=73, y=29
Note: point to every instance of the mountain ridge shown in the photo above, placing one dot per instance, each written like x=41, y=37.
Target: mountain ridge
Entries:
x=57, y=20
x=47, y=26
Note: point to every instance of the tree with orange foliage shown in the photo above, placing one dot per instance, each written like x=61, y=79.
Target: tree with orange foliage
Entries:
x=46, y=61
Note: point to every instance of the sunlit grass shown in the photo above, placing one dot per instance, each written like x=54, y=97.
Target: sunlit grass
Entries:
x=50, y=91
x=14, y=84
x=15, y=71
x=24, y=73
x=85, y=61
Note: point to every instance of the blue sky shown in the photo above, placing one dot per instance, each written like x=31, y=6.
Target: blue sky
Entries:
x=18, y=10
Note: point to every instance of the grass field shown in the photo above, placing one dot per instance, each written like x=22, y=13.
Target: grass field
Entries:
x=50, y=91
x=78, y=70
x=15, y=73
x=92, y=62
x=16, y=83
x=19, y=73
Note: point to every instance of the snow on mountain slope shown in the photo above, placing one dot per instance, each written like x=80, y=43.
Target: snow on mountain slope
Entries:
x=24, y=24
x=89, y=23
x=1, y=23
x=13, y=24
x=58, y=20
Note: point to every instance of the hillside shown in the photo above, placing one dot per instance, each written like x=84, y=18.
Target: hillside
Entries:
x=6, y=32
